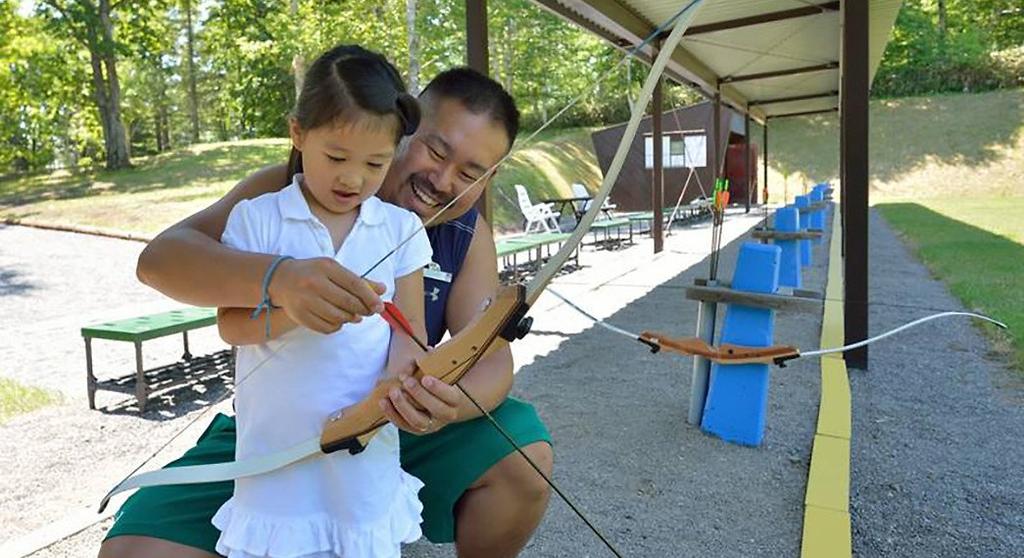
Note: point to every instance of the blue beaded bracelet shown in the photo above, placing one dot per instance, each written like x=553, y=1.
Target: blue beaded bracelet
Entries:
x=265, y=304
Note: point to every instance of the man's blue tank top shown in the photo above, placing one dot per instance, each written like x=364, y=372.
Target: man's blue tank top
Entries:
x=450, y=241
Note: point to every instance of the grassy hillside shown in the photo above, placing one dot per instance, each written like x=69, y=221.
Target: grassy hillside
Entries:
x=162, y=189
x=921, y=147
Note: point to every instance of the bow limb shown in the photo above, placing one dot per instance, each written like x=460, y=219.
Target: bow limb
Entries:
x=725, y=353
x=779, y=354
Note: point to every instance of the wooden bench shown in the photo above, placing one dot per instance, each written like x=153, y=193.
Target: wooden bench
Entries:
x=510, y=247
x=608, y=225
x=144, y=328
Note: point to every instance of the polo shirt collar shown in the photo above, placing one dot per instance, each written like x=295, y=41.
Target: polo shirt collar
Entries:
x=293, y=205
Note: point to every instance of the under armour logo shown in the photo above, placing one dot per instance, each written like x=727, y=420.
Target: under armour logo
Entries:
x=433, y=294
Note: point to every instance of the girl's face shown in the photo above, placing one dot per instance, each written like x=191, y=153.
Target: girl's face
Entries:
x=344, y=163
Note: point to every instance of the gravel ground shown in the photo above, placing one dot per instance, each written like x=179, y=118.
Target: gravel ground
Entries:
x=652, y=484
x=623, y=451
x=938, y=426
x=58, y=462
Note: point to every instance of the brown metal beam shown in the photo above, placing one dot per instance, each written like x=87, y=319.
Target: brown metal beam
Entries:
x=853, y=130
x=764, y=148
x=476, y=58
x=779, y=73
x=794, y=98
x=813, y=9
x=716, y=127
x=658, y=174
x=621, y=26
x=804, y=113
x=746, y=161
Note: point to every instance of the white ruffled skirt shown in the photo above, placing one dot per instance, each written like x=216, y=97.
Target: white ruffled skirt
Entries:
x=248, y=534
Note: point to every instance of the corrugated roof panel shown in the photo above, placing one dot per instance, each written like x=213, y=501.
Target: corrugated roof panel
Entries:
x=713, y=11
x=781, y=45
x=803, y=38
x=801, y=106
x=882, y=16
x=789, y=86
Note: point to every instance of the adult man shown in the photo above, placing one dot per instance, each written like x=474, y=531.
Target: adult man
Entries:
x=478, y=492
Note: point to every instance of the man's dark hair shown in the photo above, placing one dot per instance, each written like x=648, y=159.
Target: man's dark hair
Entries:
x=479, y=94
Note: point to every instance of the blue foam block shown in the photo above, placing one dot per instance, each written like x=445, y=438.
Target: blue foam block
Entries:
x=787, y=219
x=737, y=400
x=805, y=220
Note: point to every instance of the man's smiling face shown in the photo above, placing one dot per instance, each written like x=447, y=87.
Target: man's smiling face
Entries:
x=450, y=150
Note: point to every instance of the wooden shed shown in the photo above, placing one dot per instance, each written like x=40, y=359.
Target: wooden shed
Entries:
x=685, y=146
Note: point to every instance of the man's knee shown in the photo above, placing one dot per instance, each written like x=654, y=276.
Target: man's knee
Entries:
x=516, y=471
x=129, y=546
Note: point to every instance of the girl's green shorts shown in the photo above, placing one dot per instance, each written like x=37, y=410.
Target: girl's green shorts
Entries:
x=447, y=462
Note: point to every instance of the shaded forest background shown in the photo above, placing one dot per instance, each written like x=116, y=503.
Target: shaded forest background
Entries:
x=87, y=83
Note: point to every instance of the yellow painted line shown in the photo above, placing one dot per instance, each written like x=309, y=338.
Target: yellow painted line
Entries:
x=826, y=533
x=832, y=330
x=834, y=410
x=828, y=482
x=826, y=530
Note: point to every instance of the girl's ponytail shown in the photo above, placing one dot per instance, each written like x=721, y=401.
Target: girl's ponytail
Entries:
x=408, y=112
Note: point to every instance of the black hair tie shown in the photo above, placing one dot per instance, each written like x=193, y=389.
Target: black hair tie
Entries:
x=408, y=112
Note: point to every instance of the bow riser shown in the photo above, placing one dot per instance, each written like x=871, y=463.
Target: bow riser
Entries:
x=352, y=427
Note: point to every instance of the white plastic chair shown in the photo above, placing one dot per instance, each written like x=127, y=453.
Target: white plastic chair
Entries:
x=536, y=214
x=580, y=191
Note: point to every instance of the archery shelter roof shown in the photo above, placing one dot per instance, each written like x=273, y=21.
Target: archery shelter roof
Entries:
x=772, y=57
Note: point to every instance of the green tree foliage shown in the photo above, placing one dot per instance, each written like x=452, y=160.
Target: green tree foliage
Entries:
x=43, y=81
x=978, y=48
x=250, y=55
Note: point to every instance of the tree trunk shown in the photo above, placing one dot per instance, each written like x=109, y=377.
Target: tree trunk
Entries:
x=192, y=96
x=159, y=131
x=167, y=126
x=298, y=61
x=299, y=69
x=941, y=5
x=506, y=55
x=99, y=87
x=118, y=155
x=414, y=47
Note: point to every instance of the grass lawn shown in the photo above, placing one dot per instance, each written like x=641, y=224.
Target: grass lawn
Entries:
x=163, y=189
x=16, y=398
x=159, y=191
x=929, y=146
x=976, y=246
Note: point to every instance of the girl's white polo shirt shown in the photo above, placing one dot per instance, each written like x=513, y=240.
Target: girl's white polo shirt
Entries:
x=339, y=504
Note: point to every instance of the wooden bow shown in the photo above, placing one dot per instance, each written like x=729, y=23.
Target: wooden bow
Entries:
x=352, y=427
x=725, y=353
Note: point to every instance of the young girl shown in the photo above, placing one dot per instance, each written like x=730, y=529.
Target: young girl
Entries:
x=349, y=117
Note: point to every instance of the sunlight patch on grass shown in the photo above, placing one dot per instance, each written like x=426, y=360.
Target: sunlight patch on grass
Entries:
x=920, y=147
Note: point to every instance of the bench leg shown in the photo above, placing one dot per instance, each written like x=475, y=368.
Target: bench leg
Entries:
x=90, y=378
x=140, y=380
x=187, y=356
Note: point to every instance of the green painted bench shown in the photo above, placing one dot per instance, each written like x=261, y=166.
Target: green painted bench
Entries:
x=687, y=212
x=510, y=247
x=144, y=328
x=607, y=225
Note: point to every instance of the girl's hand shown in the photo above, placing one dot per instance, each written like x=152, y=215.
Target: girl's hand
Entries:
x=320, y=294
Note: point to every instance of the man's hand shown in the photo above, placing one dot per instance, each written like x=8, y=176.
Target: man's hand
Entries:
x=320, y=294
x=422, y=406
